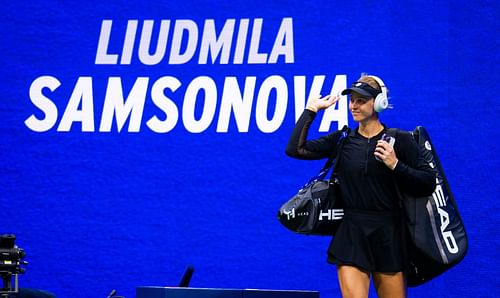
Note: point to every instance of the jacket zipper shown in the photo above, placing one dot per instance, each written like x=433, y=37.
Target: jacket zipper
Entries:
x=366, y=156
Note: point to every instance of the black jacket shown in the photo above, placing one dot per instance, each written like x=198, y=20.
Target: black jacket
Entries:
x=366, y=183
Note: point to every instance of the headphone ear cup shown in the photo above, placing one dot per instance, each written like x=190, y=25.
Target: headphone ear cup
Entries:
x=380, y=103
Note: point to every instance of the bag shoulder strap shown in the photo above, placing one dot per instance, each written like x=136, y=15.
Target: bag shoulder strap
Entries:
x=393, y=132
x=335, y=154
x=346, y=132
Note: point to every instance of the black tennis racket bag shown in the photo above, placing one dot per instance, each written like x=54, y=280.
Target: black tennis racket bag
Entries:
x=437, y=238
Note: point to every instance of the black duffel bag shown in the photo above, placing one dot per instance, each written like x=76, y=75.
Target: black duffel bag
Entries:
x=316, y=209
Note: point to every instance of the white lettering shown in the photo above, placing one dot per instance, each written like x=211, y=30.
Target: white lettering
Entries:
x=331, y=214
x=451, y=244
x=128, y=44
x=43, y=103
x=438, y=195
x=210, y=42
x=236, y=102
x=232, y=99
x=145, y=44
x=440, y=201
x=445, y=219
x=271, y=83
x=165, y=104
x=185, y=42
x=283, y=44
x=176, y=57
x=102, y=56
x=82, y=94
x=114, y=104
x=188, y=110
x=239, y=52
x=338, y=112
x=300, y=92
x=254, y=57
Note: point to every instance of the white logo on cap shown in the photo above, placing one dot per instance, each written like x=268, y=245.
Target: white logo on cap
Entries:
x=358, y=84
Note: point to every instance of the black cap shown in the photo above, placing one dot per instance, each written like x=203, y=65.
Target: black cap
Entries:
x=363, y=89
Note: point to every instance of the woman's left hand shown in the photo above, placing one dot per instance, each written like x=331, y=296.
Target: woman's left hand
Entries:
x=385, y=153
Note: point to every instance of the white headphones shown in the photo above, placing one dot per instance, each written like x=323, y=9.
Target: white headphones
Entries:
x=381, y=101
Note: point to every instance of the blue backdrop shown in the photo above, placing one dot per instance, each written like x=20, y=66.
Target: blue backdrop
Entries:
x=142, y=136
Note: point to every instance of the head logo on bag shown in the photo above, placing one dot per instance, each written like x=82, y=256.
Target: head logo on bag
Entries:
x=289, y=213
x=331, y=214
x=436, y=231
x=444, y=219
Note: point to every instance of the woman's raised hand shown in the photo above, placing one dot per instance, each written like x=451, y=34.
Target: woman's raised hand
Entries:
x=317, y=103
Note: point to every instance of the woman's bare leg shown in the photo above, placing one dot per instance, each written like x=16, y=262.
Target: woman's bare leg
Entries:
x=354, y=283
x=390, y=285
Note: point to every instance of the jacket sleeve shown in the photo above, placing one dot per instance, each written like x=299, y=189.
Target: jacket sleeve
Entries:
x=298, y=145
x=413, y=174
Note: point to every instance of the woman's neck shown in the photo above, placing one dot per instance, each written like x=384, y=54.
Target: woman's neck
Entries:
x=370, y=129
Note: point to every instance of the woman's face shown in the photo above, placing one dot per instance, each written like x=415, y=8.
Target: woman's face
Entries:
x=361, y=107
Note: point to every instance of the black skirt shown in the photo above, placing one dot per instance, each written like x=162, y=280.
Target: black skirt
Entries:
x=370, y=240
